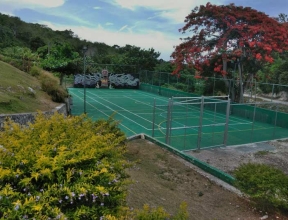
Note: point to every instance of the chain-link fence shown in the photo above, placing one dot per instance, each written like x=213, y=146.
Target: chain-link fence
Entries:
x=194, y=123
x=253, y=91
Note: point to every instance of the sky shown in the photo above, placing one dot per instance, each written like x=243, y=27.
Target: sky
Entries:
x=143, y=23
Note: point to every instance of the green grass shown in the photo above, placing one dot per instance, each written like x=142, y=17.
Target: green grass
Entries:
x=15, y=96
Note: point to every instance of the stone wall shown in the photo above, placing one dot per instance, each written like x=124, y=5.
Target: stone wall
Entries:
x=25, y=118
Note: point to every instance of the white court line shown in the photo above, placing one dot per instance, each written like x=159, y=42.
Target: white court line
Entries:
x=172, y=107
x=144, y=104
x=117, y=112
x=122, y=109
x=104, y=113
x=197, y=110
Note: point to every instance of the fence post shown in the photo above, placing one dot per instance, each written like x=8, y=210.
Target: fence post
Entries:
x=227, y=122
x=254, y=113
x=153, y=119
x=255, y=91
x=229, y=87
x=200, y=123
x=214, y=121
x=213, y=84
x=168, y=124
x=272, y=92
x=276, y=115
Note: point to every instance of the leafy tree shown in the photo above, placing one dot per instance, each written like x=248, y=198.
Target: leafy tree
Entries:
x=6, y=36
x=164, y=66
x=36, y=42
x=226, y=39
x=145, y=59
x=60, y=59
x=24, y=54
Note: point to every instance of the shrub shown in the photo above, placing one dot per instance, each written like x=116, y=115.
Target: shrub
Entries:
x=266, y=185
x=62, y=168
x=35, y=71
x=148, y=213
x=50, y=84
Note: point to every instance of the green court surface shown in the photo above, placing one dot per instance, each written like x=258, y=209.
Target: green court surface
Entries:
x=135, y=111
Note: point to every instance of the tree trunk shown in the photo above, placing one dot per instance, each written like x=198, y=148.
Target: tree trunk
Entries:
x=61, y=78
x=241, y=92
x=227, y=82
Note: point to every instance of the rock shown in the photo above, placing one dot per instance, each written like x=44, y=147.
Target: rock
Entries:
x=264, y=217
x=31, y=90
x=283, y=96
x=200, y=194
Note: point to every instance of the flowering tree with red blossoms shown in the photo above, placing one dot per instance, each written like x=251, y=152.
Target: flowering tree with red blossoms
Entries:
x=228, y=37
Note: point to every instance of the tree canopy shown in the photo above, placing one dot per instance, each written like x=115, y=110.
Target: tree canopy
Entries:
x=42, y=40
x=227, y=37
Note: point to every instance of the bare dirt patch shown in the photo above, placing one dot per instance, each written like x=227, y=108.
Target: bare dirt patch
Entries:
x=163, y=179
x=274, y=153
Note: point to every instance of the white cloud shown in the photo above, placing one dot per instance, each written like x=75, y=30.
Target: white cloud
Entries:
x=97, y=7
x=171, y=9
x=33, y=3
x=148, y=39
x=122, y=28
x=109, y=24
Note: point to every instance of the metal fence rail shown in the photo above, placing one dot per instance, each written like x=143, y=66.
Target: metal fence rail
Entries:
x=194, y=123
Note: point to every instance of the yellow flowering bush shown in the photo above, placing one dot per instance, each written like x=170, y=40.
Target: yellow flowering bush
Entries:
x=62, y=168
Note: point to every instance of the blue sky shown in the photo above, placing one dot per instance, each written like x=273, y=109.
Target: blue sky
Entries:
x=143, y=23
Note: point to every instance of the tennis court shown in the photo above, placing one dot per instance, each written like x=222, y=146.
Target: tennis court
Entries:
x=183, y=124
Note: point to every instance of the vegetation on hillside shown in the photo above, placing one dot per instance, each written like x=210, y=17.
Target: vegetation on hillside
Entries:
x=28, y=92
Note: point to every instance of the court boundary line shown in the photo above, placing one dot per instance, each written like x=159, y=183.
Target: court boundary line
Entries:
x=218, y=132
x=105, y=113
x=218, y=115
x=101, y=103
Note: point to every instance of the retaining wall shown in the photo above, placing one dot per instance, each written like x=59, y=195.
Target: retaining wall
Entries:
x=25, y=118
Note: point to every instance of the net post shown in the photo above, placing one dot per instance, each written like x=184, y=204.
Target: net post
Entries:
x=171, y=113
x=227, y=122
x=186, y=119
x=153, y=119
x=276, y=118
x=200, y=123
x=168, y=125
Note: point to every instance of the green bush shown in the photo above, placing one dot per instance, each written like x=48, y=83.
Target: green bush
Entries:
x=148, y=213
x=35, y=71
x=60, y=168
x=266, y=185
x=50, y=84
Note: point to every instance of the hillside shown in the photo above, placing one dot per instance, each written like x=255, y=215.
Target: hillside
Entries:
x=16, y=95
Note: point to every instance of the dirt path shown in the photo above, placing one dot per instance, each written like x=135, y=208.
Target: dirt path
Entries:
x=162, y=179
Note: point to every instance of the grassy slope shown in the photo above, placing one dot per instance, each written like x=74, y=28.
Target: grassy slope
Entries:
x=15, y=96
